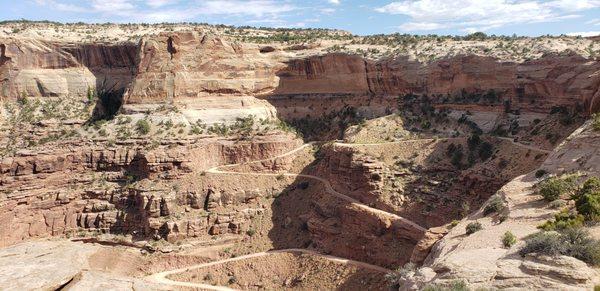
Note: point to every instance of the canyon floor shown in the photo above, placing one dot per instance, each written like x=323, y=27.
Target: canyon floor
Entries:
x=167, y=157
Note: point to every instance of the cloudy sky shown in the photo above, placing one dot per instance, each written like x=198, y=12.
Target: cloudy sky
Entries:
x=523, y=17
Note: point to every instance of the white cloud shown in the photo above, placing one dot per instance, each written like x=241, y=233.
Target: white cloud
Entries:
x=112, y=5
x=132, y=11
x=160, y=3
x=421, y=26
x=256, y=8
x=594, y=22
x=327, y=10
x=60, y=6
x=473, y=15
x=574, y=5
x=584, y=33
x=334, y=2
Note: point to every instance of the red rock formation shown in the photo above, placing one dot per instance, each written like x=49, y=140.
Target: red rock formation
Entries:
x=534, y=85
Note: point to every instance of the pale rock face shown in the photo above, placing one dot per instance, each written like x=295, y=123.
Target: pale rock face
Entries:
x=52, y=265
x=37, y=68
x=42, y=265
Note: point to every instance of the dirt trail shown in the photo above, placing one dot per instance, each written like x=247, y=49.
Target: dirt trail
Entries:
x=161, y=277
x=328, y=187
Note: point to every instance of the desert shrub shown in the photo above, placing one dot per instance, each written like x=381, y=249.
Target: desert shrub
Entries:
x=540, y=173
x=142, y=126
x=473, y=227
x=588, y=205
x=589, y=186
x=571, y=242
x=454, y=223
x=554, y=187
x=496, y=205
x=547, y=243
x=457, y=285
x=596, y=121
x=251, y=232
x=509, y=239
x=564, y=220
x=587, y=199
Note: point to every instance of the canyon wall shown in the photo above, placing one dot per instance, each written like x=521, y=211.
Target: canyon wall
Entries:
x=536, y=85
x=38, y=68
x=198, y=69
x=63, y=192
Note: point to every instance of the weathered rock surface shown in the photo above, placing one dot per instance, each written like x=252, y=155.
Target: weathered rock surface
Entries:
x=70, y=198
x=42, y=265
x=480, y=258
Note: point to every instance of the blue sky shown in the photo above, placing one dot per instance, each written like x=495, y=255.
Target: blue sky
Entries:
x=523, y=17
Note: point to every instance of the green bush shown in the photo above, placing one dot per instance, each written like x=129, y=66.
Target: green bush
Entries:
x=563, y=220
x=587, y=199
x=554, y=187
x=590, y=185
x=473, y=227
x=142, y=126
x=496, y=205
x=589, y=206
x=509, y=239
x=571, y=242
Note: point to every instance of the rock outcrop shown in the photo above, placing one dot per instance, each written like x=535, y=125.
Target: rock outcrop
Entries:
x=495, y=266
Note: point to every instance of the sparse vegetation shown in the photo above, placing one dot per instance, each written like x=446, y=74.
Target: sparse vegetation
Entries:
x=587, y=199
x=473, y=227
x=574, y=242
x=457, y=285
x=509, y=239
x=555, y=187
x=563, y=220
x=142, y=127
x=495, y=205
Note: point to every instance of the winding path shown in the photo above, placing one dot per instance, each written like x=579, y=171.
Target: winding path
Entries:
x=328, y=188
x=161, y=277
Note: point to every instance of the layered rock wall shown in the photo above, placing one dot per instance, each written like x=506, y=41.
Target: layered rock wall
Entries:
x=536, y=85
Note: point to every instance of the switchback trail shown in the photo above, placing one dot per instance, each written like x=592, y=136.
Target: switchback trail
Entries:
x=161, y=277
